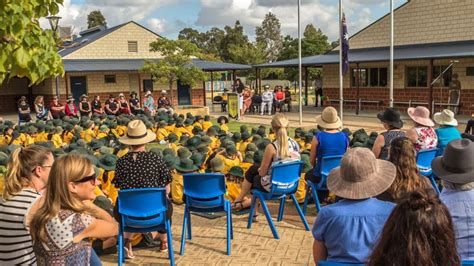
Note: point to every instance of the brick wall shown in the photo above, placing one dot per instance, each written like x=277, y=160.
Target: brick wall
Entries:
x=115, y=45
x=421, y=21
x=400, y=95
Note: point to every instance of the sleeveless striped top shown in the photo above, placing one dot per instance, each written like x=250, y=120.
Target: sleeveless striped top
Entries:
x=16, y=246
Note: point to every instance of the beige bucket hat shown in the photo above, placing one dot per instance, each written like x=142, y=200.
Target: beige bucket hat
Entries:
x=137, y=134
x=445, y=118
x=329, y=118
x=361, y=175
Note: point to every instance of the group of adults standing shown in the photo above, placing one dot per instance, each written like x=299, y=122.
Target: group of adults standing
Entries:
x=111, y=107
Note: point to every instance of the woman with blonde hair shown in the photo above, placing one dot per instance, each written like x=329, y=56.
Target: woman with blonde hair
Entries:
x=27, y=175
x=41, y=112
x=62, y=226
x=408, y=178
x=283, y=148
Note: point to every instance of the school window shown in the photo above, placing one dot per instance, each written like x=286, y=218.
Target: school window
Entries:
x=109, y=79
x=132, y=46
x=417, y=77
x=370, y=77
x=445, y=78
x=469, y=71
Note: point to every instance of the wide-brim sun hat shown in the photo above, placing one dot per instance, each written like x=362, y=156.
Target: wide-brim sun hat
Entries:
x=329, y=119
x=391, y=116
x=420, y=115
x=361, y=175
x=445, y=118
x=457, y=163
x=137, y=134
x=186, y=166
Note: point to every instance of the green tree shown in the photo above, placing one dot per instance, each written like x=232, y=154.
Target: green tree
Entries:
x=27, y=50
x=269, y=36
x=193, y=36
x=234, y=36
x=95, y=18
x=314, y=41
x=176, y=63
x=214, y=38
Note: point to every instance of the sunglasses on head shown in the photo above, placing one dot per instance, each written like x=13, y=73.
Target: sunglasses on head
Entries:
x=92, y=179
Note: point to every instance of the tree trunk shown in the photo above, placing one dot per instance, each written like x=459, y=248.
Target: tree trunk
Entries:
x=171, y=92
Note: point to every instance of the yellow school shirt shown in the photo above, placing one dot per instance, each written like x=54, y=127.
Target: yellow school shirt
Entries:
x=174, y=147
x=206, y=125
x=225, y=128
x=108, y=186
x=170, y=128
x=189, y=129
x=67, y=137
x=177, y=190
x=22, y=138
x=7, y=139
x=271, y=137
x=214, y=143
x=243, y=146
x=300, y=142
x=122, y=152
x=88, y=135
x=228, y=163
x=102, y=135
x=301, y=191
x=197, y=124
x=42, y=136
x=29, y=140
x=121, y=130
x=233, y=190
x=57, y=141
x=179, y=131
x=245, y=166
x=161, y=134
x=16, y=141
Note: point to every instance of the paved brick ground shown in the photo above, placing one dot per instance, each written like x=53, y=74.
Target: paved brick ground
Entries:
x=254, y=246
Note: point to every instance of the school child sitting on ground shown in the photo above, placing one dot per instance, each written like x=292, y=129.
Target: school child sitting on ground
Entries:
x=223, y=121
x=206, y=124
x=185, y=166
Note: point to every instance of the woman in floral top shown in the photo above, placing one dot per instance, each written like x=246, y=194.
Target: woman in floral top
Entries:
x=422, y=134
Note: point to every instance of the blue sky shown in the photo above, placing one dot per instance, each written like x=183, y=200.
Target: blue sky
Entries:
x=168, y=17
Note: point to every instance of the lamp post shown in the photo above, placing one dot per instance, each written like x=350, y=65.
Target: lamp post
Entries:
x=54, y=23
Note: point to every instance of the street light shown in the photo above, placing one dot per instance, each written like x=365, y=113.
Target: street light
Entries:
x=54, y=23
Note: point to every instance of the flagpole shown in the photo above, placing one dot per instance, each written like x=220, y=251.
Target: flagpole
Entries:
x=391, y=53
x=299, y=64
x=341, y=80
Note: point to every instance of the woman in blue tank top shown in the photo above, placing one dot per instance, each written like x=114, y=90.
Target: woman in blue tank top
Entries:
x=330, y=141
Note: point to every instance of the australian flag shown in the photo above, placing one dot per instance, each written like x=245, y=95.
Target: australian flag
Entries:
x=345, y=46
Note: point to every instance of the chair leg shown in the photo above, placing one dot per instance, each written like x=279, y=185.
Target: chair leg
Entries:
x=316, y=199
x=231, y=223
x=183, y=233
x=252, y=210
x=433, y=183
x=170, y=242
x=298, y=208
x=229, y=230
x=306, y=198
x=269, y=219
x=120, y=248
x=281, y=209
x=189, y=226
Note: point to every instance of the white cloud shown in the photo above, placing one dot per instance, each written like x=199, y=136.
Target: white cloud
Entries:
x=156, y=24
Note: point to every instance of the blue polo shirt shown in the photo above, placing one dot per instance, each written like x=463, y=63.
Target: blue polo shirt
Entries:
x=350, y=228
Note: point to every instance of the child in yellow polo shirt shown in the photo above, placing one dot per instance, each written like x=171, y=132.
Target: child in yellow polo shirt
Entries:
x=172, y=142
x=206, y=124
x=170, y=127
x=161, y=132
x=31, y=135
x=185, y=166
x=55, y=137
x=103, y=132
x=246, y=140
x=89, y=134
x=223, y=121
x=68, y=133
x=234, y=180
x=230, y=157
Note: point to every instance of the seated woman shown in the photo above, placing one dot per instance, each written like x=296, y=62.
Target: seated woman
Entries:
x=456, y=170
x=85, y=107
x=111, y=106
x=283, y=148
x=97, y=110
x=24, y=111
x=418, y=232
x=391, y=121
x=164, y=104
x=134, y=103
x=347, y=230
x=422, y=134
x=124, y=107
x=247, y=100
x=56, y=108
x=447, y=131
x=408, y=179
x=329, y=141
x=141, y=169
x=66, y=218
x=25, y=180
x=279, y=99
x=71, y=109
x=149, y=104
x=42, y=113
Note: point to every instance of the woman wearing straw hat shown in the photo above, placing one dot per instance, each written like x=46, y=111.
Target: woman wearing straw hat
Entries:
x=141, y=169
x=329, y=141
x=422, y=133
x=456, y=170
x=347, y=230
x=391, y=121
x=447, y=131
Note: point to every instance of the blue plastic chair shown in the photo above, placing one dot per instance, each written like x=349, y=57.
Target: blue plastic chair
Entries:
x=423, y=161
x=327, y=164
x=285, y=178
x=467, y=262
x=205, y=193
x=335, y=263
x=137, y=217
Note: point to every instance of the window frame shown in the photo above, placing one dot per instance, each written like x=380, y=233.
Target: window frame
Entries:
x=418, y=67
x=367, y=81
x=108, y=79
x=132, y=43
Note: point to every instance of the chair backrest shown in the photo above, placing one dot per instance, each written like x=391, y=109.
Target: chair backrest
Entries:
x=425, y=157
x=217, y=99
x=330, y=162
x=134, y=210
x=285, y=177
x=467, y=262
x=204, y=190
x=335, y=263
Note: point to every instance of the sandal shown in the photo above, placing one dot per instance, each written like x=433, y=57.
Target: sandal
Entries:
x=128, y=252
x=236, y=207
